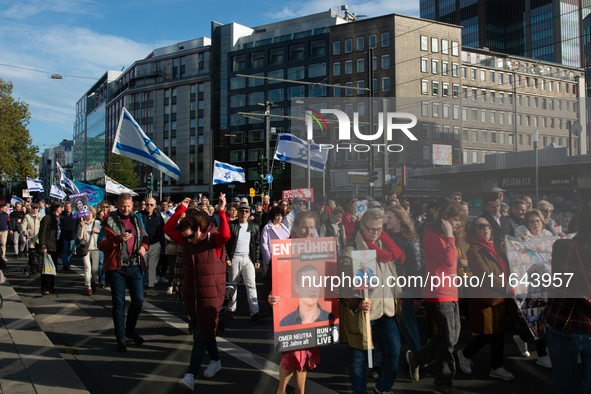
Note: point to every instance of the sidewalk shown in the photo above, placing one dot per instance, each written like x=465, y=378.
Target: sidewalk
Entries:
x=29, y=363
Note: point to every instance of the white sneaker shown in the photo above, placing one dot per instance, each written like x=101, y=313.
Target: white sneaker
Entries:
x=213, y=368
x=501, y=373
x=465, y=363
x=163, y=279
x=169, y=290
x=521, y=345
x=157, y=280
x=188, y=382
x=544, y=361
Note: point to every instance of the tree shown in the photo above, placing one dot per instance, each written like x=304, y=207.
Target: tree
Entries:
x=122, y=169
x=17, y=153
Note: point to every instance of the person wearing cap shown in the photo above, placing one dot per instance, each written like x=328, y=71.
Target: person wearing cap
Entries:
x=244, y=200
x=500, y=191
x=243, y=252
x=31, y=230
x=236, y=199
x=297, y=205
x=257, y=215
x=50, y=242
x=457, y=196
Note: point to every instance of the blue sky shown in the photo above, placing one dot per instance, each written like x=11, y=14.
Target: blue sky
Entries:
x=84, y=38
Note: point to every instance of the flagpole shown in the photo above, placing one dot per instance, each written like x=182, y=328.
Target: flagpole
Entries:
x=309, y=141
x=160, y=187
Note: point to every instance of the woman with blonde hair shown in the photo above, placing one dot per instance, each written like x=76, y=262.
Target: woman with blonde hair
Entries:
x=88, y=230
x=533, y=226
x=400, y=228
x=547, y=208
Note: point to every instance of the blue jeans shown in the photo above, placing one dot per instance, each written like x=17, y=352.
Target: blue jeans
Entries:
x=69, y=249
x=565, y=348
x=101, y=271
x=131, y=277
x=387, y=337
x=410, y=329
x=199, y=350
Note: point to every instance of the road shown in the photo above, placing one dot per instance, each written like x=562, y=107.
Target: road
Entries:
x=81, y=328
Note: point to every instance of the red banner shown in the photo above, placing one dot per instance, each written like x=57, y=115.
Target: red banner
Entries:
x=304, y=194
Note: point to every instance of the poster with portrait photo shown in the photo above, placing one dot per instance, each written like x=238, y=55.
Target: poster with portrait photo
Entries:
x=307, y=315
x=364, y=269
x=79, y=204
x=534, y=257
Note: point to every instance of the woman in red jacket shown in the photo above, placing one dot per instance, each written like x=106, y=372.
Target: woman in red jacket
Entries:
x=350, y=219
x=204, y=281
x=441, y=297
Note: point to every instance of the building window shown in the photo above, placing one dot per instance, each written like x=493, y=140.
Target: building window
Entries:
x=336, y=69
x=435, y=110
x=316, y=70
x=348, y=92
x=296, y=52
x=455, y=48
x=502, y=138
x=235, y=101
x=349, y=67
x=455, y=70
x=456, y=133
x=436, y=132
x=360, y=65
x=456, y=91
x=255, y=154
x=385, y=40
x=360, y=43
x=492, y=77
x=426, y=152
x=474, y=136
x=484, y=136
x=466, y=135
x=237, y=156
x=456, y=112
x=424, y=86
x=239, y=63
x=435, y=88
x=435, y=66
x=444, y=68
x=434, y=44
x=424, y=109
x=336, y=48
x=424, y=65
x=483, y=75
x=445, y=91
x=296, y=73
x=424, y=43
x=464, y=72
x=445, y=47
x=317, y=48
x=296, y=91
x=257, y=59
x=275, y=74
x=386, y=84
x=276, y=95
x=348, y=46
x=446, y=133
x=473, y=72
x=474, y=156
x=425, y=130
x=237, y=83
x=373, y=42
x=385, y=61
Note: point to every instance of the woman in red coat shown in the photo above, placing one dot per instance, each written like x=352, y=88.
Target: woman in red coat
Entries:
x=204, y=281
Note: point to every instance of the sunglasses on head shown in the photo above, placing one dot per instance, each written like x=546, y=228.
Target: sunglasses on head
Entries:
x=482, y=226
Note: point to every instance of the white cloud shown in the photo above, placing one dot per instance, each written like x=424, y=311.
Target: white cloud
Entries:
x=25, y=9
x=369, y=8
x=66, y=51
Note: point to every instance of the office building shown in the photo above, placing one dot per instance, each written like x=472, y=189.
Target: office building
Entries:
x=48, y=171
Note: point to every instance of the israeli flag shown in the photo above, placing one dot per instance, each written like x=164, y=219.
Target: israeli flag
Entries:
x=131, y=141
x=291, y=149
x=56, y=192
x=34, y=185
x=66, y=182
x=15, y=199
x=227, y=173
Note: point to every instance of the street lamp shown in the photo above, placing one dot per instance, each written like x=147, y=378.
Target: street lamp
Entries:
x=536, y=139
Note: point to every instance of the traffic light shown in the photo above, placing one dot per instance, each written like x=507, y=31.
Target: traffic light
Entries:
x=373, y=176
x=257, y=187
x=355, y=190
x=157, y=185
x=150, y=182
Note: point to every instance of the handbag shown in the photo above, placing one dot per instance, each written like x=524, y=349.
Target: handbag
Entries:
x=82, y=248
x=48, y=265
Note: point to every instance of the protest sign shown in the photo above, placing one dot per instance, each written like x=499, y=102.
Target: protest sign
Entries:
x=529, y=261
x=307, y=315
x=364, y=268
x=79, y=204
x=304, y=194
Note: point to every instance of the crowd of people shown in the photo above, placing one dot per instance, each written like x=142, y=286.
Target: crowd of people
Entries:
x=197, y=248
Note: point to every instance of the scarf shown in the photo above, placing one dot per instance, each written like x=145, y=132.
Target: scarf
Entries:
x=392, y=251
x=491, y=249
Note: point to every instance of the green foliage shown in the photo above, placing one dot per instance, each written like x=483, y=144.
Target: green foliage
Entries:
x=17, y=153
x=122, y=169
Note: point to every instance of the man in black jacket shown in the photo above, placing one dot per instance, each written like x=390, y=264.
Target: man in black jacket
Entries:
x=50, y=242
x=17, y=216
x=154, y=226
x=69, y=230
x=243, y=256
x=492, y=213
x=516, y=215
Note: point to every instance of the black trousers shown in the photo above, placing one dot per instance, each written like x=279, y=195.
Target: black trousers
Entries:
x=48, y=281
x=497, y=348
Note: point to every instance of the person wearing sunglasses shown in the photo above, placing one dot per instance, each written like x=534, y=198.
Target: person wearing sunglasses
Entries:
x=243, y=256
x=154, y=225
x=487, y=303
x=204, y=281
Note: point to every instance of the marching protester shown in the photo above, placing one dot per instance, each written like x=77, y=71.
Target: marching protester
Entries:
x=16, y=218
x=124, y=242
x=243, y=255
x=441, y=257
x=274, y=229
x=204, y=282
x=5, y=227
x=350, y=219
x=296, y=363
x=50, y=242
x=69, y=229
x=492, y=213
x=31, y=228
x=401, y=230
x=382, y=305
x=333, y=227
x=297, y=205
x=567, y=312
x=488, y=305
x=154, y=225
x=87, y=234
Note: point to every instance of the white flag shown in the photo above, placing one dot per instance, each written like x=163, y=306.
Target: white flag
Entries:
x=291, y=149
x=66, y=182
x=131, y=141
x=116, y=188
x=227, y=173
x=34, y=185
x=56, y=192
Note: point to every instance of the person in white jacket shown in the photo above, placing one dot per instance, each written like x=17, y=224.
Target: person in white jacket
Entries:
x=31, y=231
x=88, y=231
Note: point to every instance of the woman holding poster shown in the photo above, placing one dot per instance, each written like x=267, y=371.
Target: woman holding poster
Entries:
x=204, y=282
x=382, y=305
x=298, y=362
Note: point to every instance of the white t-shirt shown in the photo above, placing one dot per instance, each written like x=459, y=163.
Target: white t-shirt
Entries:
x=243, y=243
